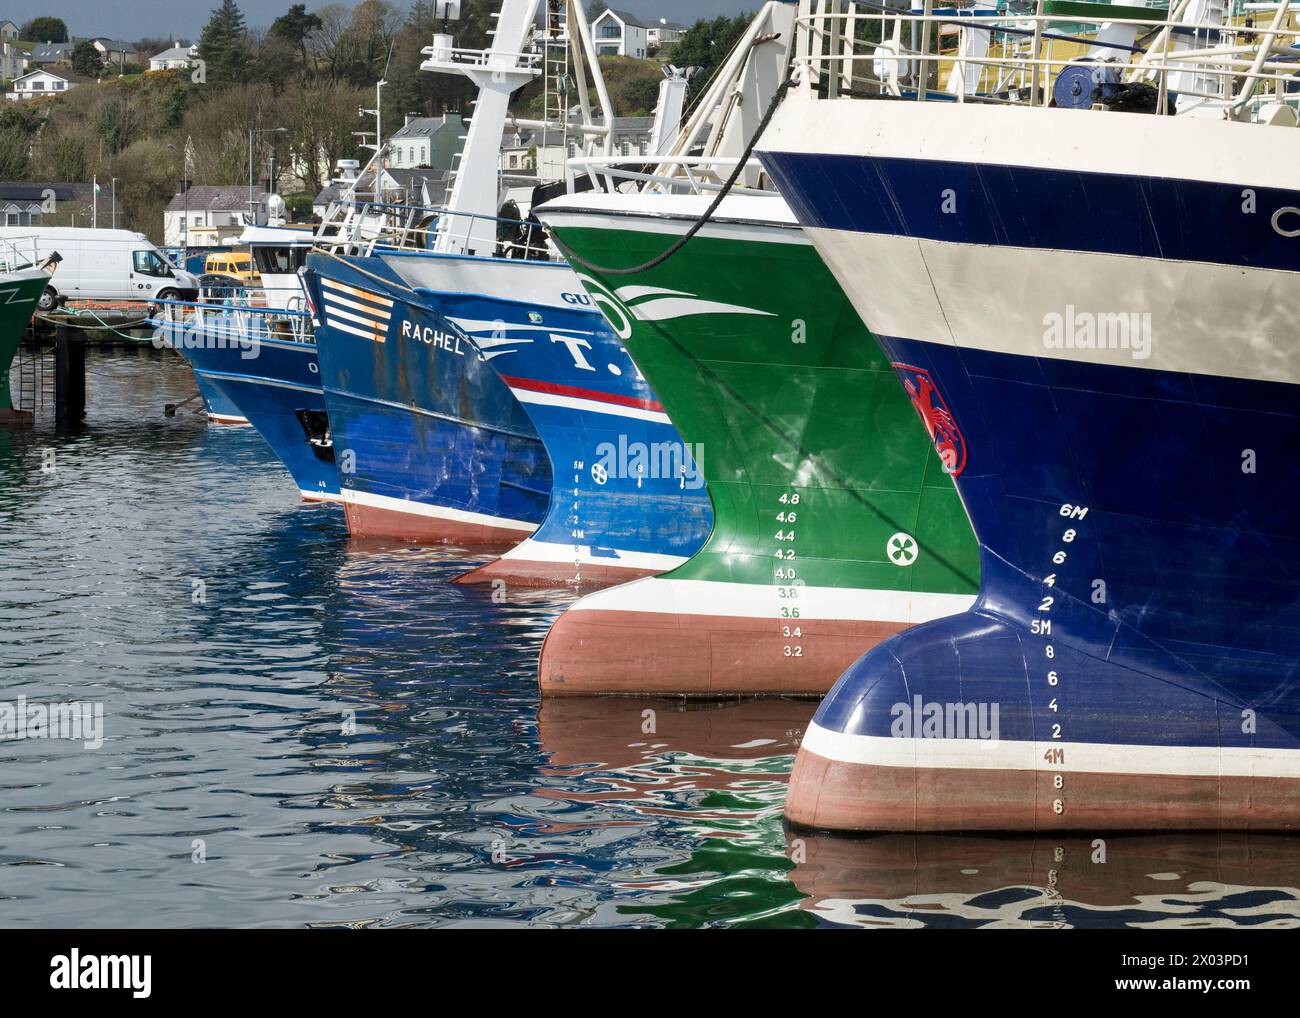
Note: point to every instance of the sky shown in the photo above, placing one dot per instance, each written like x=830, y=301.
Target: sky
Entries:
x=135, y=19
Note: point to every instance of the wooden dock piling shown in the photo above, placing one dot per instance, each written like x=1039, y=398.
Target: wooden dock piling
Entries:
x=69, y=376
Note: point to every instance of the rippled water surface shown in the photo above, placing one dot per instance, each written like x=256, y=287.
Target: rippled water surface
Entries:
x=303, y=731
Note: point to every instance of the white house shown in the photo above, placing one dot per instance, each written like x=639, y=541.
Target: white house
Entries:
x=13, y=61
x=35, y=84
x=176, y=58
x=617, y=33
x=665, y=33
x=8, y=31
x=210, y=215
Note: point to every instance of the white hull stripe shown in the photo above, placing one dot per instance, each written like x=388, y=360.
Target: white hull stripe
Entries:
x=412, y=508
x=365, y=295
x=1217, y=150
x=549, y=552
x=377, y=323
x=589, y=405
x=1080, y=757
x=340, y=303
x=1204, y=319
x=260, y=380
x=664, y=309
x=483, y=330
x=666, y=596
x=376, y=333
x=754, y=218
x=226, y=418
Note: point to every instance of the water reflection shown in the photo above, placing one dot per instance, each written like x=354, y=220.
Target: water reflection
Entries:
x=304, y=730
x=1133, y=880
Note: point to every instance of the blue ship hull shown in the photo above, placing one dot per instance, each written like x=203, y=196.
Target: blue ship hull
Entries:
x=217, y=403
x=431, y=445
x=628, y=497
x=1133, y=658
x=275, y=386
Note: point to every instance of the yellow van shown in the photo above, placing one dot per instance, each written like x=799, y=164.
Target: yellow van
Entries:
x=236, y=264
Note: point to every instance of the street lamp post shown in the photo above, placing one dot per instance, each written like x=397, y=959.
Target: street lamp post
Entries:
x=115, y=203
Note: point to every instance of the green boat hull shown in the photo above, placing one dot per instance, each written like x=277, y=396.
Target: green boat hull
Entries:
x=835, y=522
x=19, y=292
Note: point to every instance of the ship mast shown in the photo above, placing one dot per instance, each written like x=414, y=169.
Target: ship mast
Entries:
x=497, y=72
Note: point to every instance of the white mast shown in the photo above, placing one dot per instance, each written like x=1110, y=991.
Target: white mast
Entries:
x=496, y=72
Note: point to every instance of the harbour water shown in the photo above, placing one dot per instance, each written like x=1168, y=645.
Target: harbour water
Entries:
x=303, y=730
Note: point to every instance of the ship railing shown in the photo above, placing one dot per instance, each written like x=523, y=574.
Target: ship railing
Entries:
x=375, y=226
x=229, y=320
x=1222, y=63
x=255, y=296
x=19, y=253
x=461, y=56
x=665, y=174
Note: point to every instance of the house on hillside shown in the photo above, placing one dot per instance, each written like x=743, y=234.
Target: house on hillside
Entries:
x=527, y=152
x=431, y=142
x=209, y=215
x=530, y=152
x=617, y=33
x=664, y=33
x=333, y=191
x=424, y=187
x=40, y=83
x=114, y=52
x=13, y=61
x=46, y=53
x=8, y=31
x=420, y=186
x=176, y=58
x=29, y=203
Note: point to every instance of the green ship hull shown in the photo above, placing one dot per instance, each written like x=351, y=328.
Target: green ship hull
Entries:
x=19, y=292
x=835, y=526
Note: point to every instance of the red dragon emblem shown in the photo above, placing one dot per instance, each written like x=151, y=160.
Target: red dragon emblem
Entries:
x=948, y=440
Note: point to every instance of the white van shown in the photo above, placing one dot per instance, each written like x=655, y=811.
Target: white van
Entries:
x=103, y=265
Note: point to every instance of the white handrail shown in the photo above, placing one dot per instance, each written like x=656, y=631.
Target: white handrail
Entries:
x=1241, y=59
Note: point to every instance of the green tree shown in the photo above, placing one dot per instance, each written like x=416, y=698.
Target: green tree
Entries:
x=118, y=122
x=174, y=105
x=86, y=60
x=18, y=128
x=640, y=97
x=411, y=90
x=44, y=29
x=223, y=46
x=705, y=45
x=295, y=26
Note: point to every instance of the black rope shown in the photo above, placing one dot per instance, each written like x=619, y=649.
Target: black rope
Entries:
x=699, y=224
